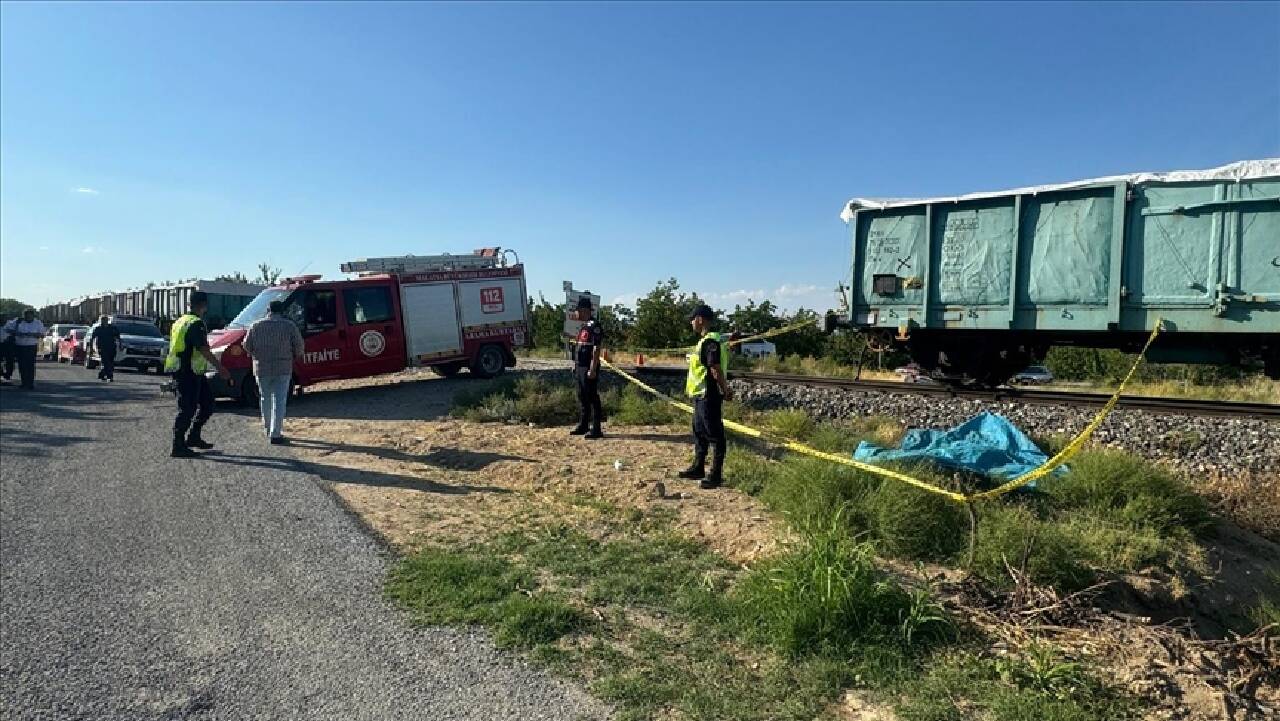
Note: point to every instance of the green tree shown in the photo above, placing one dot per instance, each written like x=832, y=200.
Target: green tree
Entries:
x=267, y=275
x=617, y=322
x=546, y=322
x=752, y=319
x=9, y=307
x=806, y=341
x=236, y=277
x=661, y=317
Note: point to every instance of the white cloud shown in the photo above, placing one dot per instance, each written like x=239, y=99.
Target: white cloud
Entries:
x=44, y=247
x=795, y=291
x=92, y=249
x=86, y=191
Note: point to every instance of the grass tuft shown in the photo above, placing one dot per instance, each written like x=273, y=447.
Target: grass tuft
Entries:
x=827, y=597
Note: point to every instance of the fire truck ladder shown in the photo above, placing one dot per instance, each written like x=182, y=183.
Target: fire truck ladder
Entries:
x=484, y=258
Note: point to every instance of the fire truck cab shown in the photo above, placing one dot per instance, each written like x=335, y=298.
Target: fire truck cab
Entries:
x=447, y=312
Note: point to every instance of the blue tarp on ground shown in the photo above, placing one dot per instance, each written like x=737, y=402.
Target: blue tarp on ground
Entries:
x=987, y=443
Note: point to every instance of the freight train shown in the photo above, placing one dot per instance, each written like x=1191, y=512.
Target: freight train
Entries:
x=976, y=287
x=162, y=304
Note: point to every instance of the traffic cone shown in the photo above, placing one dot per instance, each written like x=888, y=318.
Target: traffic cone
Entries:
x=639, y=360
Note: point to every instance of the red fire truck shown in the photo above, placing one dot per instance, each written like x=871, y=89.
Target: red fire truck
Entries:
x=447, y=312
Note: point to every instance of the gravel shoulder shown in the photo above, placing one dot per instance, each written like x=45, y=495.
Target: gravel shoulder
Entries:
x=133, y=586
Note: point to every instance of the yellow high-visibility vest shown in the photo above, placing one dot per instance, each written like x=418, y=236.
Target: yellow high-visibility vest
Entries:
x=696, y=383
x=178, y=343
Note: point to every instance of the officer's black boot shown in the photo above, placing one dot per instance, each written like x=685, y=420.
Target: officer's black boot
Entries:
x=715, y=478
x=595, y=431
x=697, y=471
x=194, y=440
x=180, y=449
x=579, y=429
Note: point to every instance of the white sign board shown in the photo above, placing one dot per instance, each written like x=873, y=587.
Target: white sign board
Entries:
x=571, y=324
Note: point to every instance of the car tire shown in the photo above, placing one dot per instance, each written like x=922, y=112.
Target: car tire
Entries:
x=489, y=362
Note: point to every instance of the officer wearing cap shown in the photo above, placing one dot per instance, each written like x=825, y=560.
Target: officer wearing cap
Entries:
x=586, y=372
x=189, y=357
x=708, y=385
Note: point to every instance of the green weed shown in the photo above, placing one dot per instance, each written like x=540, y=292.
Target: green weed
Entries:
x=827, y=597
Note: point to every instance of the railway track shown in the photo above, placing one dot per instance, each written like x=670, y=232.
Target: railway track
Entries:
x=1180, y=406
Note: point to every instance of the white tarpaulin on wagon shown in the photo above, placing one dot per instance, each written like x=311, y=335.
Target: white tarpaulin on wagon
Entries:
x=1238, y=171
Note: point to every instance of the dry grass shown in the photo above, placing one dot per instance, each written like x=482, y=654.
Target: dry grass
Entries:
x=453, y=481
x=1251, y=500
x=1255, y=389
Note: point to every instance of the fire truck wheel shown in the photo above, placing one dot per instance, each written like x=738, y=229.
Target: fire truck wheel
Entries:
x=447, y=370
x=489, y=362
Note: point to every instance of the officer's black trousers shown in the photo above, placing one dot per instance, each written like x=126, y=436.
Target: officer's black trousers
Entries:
x=8, y=355
x=108, y=358
x=195, y=403
x=708, y=429
x=27, y=365
x=590, y=412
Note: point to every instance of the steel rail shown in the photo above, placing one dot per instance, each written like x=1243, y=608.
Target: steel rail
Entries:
x=1179, y=406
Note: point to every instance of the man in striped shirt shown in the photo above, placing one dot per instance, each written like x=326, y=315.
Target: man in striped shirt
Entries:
x=273, y=343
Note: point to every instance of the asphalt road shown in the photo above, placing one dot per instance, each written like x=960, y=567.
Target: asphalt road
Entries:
x=135, y=586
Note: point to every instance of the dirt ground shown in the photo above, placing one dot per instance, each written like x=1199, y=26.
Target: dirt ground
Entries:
x=439, y=479
x=419, y=477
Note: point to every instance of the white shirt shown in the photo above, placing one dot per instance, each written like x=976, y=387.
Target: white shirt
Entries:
x=28, y=333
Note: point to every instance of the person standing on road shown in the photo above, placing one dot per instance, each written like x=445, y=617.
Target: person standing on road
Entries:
x=586, y=372
x=710, y=357
x=273, y=343
x=189, y=357
x=7, y=352
x=107, y=336
x=26, y=333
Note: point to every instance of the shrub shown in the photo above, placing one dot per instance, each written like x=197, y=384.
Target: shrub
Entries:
x=1130, y=491
x=546, y=406
x=910, y=523
x=1008, y=532
x=826, y=597
x=638, y=408
x=791, y=423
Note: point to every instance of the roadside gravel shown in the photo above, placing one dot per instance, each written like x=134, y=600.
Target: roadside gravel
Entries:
x=133, y=586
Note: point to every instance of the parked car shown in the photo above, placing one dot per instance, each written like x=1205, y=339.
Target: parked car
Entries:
x=142, y=346
x=48, y=347
x=912, y=373
x=1032, y=376
x=71, y=348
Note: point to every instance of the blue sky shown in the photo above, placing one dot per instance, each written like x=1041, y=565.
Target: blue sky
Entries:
x=612, y=145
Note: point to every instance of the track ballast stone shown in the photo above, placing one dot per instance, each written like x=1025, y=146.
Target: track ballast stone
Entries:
x=1196, y=443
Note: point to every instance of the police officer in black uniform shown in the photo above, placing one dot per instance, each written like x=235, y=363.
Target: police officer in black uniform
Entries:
x=586, y=371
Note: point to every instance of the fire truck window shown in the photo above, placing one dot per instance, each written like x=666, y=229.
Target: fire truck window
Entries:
x=368, y=305
x=314, y=311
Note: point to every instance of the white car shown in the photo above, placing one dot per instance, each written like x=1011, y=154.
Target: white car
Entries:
x=48, y=348
x=142, y=345
x=1032, y=376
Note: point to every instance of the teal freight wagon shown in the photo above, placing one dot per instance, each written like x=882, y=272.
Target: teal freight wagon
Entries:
x=976, y=286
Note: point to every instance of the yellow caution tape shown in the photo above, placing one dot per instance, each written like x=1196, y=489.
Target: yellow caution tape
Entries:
x=739, y=341
x=1047, y=467
x=1078, y=442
